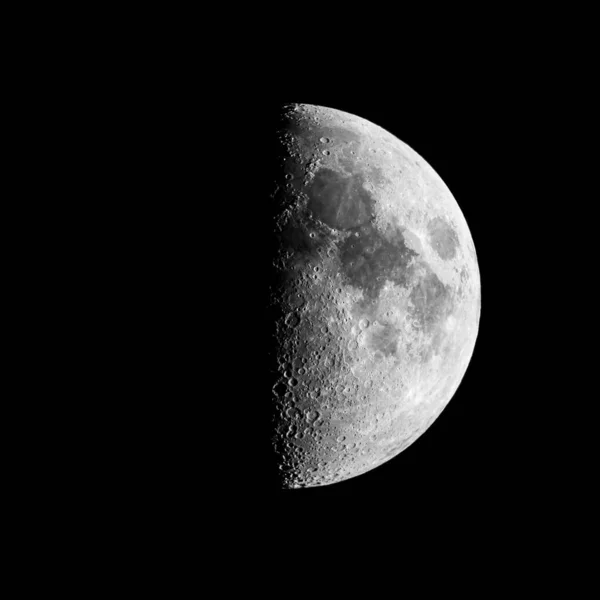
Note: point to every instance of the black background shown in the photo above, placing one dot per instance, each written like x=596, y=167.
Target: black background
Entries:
x=184, y=129
x=180, y=423
x=174, y=144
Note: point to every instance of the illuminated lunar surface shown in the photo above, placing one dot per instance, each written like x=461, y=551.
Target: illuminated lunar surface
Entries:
x=376, y=296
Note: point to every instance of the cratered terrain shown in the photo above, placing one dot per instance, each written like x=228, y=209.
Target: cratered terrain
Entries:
x=375, y=301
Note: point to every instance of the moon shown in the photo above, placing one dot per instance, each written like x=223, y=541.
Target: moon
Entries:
x=375, y=296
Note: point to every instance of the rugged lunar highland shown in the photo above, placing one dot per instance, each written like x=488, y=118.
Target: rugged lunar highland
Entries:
x=377, y=296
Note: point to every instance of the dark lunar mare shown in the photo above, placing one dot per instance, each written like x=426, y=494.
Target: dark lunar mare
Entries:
x=368, y=257
x=444, y=240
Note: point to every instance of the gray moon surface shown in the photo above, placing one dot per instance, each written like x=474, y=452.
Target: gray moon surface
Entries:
x=377, y=296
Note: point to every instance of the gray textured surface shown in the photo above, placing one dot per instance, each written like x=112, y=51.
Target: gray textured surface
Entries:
x=379, y=297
